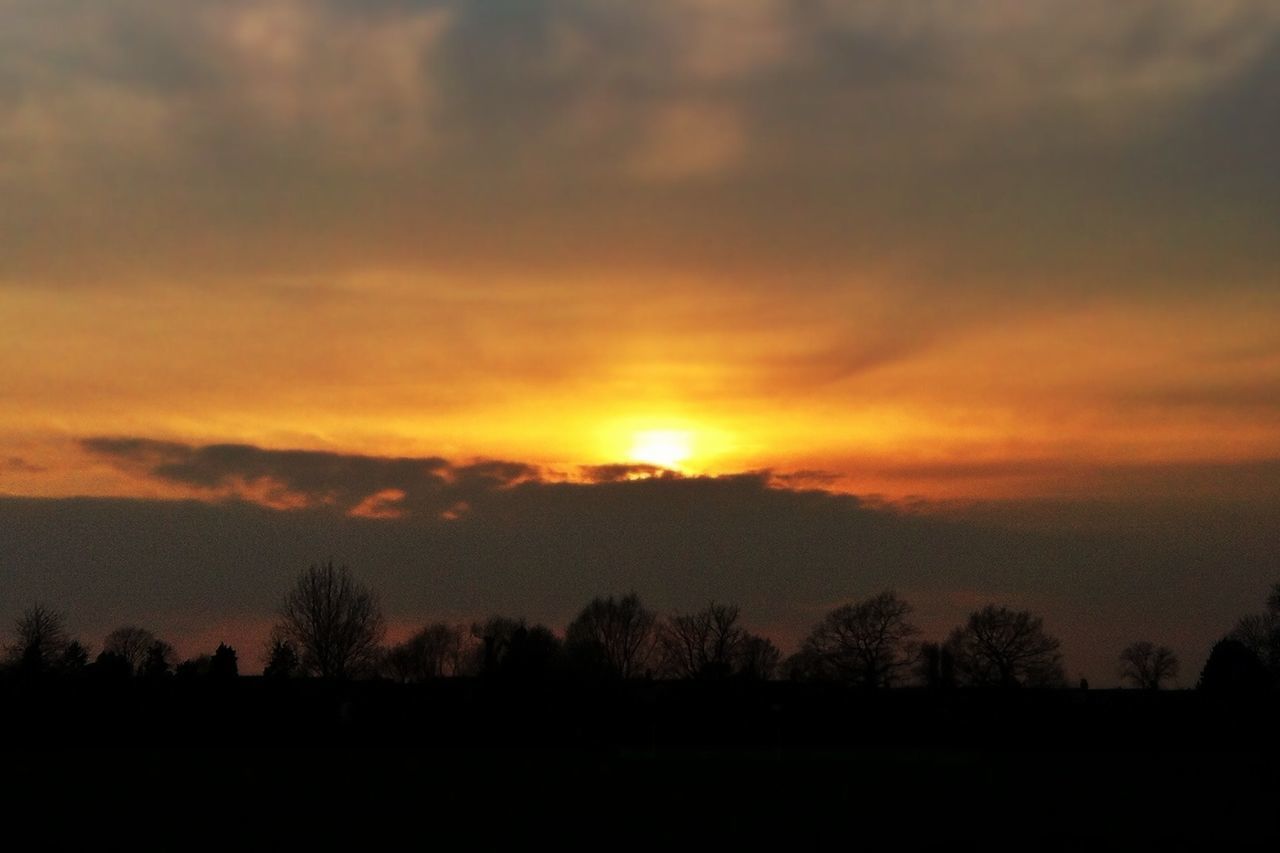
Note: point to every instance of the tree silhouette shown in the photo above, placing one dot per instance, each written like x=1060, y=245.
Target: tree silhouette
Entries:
x=1146, y=665
x=1233, y=667
x=1000, y=647
x=936, y=666
x=220, y=665
x=758, y=658
x=158, y=661
x=197, y=667
x=802, y=665
x=701, y=644
x=511, y=648
x=75, y=657
x=334, y=622
x=223, y=664
x=618, y=634
x=282, y=660
x=711, y=644
x=1260, y=632
x=40, y=639
x=436, y=651
x=112, y=666
x=131, y=644
x=868, y=644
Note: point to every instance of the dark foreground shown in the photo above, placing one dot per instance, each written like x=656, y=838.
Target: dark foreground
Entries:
x=254, y=764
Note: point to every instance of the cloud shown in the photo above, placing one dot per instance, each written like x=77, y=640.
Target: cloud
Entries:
x=289, y=136
x=440, y=539
x=295, y=479
x=1100, y=573
x=808, y=478
x=621, y=472
x=19, y=465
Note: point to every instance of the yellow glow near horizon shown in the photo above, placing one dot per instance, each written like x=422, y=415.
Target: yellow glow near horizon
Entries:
x=666, y=448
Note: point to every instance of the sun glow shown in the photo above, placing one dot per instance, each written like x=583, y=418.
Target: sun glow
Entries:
x=666, y=448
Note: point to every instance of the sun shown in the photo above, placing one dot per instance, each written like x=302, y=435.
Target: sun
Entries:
x=665, y=448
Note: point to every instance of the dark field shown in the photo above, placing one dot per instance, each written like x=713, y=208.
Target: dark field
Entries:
x=625, y=764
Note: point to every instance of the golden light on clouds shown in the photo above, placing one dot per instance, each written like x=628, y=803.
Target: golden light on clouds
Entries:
x=962, y=252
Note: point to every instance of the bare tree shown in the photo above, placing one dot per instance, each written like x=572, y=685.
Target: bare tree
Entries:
x=333, y=621
x=705, y=644
x=619, y=631
x=869, y=643
x=436, y=651
x=1145, y=665
x=1000, y=647
x=131, y=644
x=40, y=639
x=1260, y=632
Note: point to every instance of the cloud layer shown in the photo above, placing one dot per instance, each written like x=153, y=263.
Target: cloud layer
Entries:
x=1102, y=574
x=981, y=138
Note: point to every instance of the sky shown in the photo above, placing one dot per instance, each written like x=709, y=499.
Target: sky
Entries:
x=979, y=301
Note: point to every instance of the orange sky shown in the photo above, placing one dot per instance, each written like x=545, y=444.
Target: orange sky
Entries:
x=986, y=251
x=1013, y=404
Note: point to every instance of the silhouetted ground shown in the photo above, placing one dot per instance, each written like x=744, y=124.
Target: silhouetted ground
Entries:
x=633, y=765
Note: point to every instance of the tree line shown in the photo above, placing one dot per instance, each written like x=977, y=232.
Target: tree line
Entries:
x=331, y=626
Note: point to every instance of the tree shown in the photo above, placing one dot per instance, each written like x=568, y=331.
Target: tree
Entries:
x=111, y=666
x=1233, y=667
x=803, y=665
x=936, y=667
x=334, y=622
x=131, y=644
x=616, y=633
x=196, y=667
x=868, y=644
x=282, y=660
x=158, y=661
x=220, y=665
x=1000, y=647
x=758, y=658
x=511, y=648
x=40, y=639
x=702, y=644
x=223, y=664
x=436, y=651
x=75, y=657
x=1260, y=633
x=1146, y=665
x=711, y=644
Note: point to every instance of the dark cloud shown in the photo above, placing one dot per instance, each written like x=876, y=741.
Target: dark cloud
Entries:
x=305, y=478
x=1102, y=573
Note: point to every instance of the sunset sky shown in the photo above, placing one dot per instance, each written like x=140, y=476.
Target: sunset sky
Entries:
x=1009, y=271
